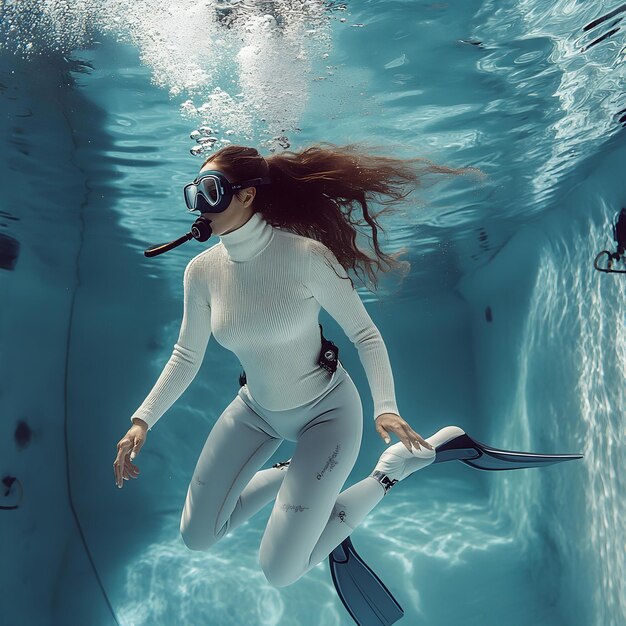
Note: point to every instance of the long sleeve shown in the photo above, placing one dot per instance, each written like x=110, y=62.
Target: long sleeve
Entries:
x=189, y=349
x=335, y=294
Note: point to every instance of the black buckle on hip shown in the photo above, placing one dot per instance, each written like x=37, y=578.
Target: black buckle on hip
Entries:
x=329, y=355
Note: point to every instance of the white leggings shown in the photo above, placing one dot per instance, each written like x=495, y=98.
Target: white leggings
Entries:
x=311, y=515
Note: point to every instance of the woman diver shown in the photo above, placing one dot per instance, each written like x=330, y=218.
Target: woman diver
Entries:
x=285, y=245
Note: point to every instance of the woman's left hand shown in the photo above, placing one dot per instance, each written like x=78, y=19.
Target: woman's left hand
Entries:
x=386, y=422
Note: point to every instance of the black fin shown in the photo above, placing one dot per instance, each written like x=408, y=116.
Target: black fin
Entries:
x=364, y=595
x=476, y=454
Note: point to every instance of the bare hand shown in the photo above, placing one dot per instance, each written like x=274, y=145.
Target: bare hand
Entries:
x=391, y=422
x=127, y=449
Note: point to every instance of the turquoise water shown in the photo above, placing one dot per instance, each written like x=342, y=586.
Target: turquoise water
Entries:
x=502, y=327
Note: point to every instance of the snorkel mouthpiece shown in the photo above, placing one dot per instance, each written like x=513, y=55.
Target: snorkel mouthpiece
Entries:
x=200, y=230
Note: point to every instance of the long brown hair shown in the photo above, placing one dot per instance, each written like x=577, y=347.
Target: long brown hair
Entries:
x=314, y=193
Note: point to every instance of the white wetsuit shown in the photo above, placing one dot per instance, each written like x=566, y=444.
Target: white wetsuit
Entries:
x=259, y=293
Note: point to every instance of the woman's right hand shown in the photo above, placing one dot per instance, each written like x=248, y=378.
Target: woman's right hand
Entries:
x=128, y=448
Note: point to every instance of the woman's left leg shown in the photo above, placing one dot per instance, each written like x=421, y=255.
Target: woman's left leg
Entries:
x=311, y=516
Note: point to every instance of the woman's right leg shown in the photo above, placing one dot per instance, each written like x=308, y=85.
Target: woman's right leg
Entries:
x=227, y=487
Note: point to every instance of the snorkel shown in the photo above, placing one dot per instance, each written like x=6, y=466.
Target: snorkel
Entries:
x=200, y=230
x=211, y=192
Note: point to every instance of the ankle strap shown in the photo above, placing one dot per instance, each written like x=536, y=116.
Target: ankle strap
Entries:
x=281, y=464
x=384, y=480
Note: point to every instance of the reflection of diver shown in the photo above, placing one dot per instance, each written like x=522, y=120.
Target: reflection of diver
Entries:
x=259, y=292
x=619, y=235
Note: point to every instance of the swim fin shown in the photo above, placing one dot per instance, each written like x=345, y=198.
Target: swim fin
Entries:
x=476, y=454
x=365, y=596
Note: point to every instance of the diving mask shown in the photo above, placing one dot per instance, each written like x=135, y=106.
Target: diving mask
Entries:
x=211, y=191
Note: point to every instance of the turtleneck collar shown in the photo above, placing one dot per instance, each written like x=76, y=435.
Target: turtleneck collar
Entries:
x=248, y=240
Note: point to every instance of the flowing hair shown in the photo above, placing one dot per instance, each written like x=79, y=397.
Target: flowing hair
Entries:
x=317, y=192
